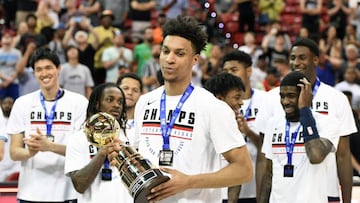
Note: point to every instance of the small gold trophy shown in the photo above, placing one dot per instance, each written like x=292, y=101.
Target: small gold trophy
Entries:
x=138, y=174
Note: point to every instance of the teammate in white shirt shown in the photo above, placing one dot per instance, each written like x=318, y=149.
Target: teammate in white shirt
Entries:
x=200, y=126
x=132, y=86
x=296, y=146
x=39, y=125
x=239, y=63
x=304, y=57
x=88, y=165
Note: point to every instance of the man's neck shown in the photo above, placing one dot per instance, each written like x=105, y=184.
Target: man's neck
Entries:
x=73, y=62
x=50, y=94
x=130, y=112
x=174, y=89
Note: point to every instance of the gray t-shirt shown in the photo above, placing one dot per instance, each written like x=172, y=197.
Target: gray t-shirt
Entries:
x=75, y=79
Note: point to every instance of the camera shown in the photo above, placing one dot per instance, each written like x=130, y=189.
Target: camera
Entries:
x=77, y=19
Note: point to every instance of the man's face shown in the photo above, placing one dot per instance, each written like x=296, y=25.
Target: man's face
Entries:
x=177, y=59
x=112, y=102
x=233, y=99
x=237, y=69
x=301, y=59
x=132, y=91
x=46, y=73
x=289, y=97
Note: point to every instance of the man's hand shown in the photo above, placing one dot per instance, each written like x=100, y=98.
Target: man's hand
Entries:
x=305, y=98
x=178, y=183
x=37, y=142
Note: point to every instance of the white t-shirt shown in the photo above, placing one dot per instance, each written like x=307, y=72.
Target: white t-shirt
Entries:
x=309, y=181
x=204, y=129
x=327, y=101
x=42, y=176
x=79, y=153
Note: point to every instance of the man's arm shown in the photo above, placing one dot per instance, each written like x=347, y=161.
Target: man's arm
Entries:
x=260, y=168
x=35, y=143
x=238, y=171
x=344, y=168
x=2, y=149
x=233, y=193
x=318, y=149
x=265, y=189
x=18, y=152
x=83, y=178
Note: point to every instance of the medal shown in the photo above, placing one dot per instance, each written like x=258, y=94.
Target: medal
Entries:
x=106, y=174
x=50, y=138
x=166, y=157
x=289, y=170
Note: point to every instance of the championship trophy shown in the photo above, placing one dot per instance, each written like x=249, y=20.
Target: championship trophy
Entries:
x=138, y=174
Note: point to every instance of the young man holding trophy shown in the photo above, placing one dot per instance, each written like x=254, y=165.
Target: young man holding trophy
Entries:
x=184, y=129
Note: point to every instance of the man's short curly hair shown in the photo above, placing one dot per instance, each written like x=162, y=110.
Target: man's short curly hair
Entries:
x=186, y=27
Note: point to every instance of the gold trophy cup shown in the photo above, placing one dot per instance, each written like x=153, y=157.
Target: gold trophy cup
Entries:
x=138, y=174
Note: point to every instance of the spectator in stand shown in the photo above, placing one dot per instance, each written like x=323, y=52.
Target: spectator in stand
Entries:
x=331, y=44
x=142, y=52
x=174, y=8
x=350, y=36
x=211, y=65
x=354, y=17
x=80, y=39
x=282, y=66
x=23, y=9
x=271, y=8
x=311, y=10
x=259, y=71
x=56, y=43
x=105, y=34
x=349, y=84
x=21, y=30
x=250, y=47
x=91, y=9
x=303, y=33
x=9, y=58
x=351, y=60
x=271, y=80
x=115, y=56
x=325, y=70
x=140, y=13
x=25, y=74
x=150, y=68
x=157, y=32
x=339, y=11
x=43, y=17
x=276, y=51
x=71, y=11
x=75, y=76
x=272, y=30
x=245, y=8
x=31, y=35
x=120, y=9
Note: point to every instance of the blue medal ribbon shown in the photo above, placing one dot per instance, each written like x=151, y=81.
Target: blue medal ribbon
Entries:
x=247, y=112
x=290, y=144
x=49, y=118
x=166, y=129
x=316, y=86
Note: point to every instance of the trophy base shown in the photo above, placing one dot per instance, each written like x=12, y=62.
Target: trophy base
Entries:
x=149, y=180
